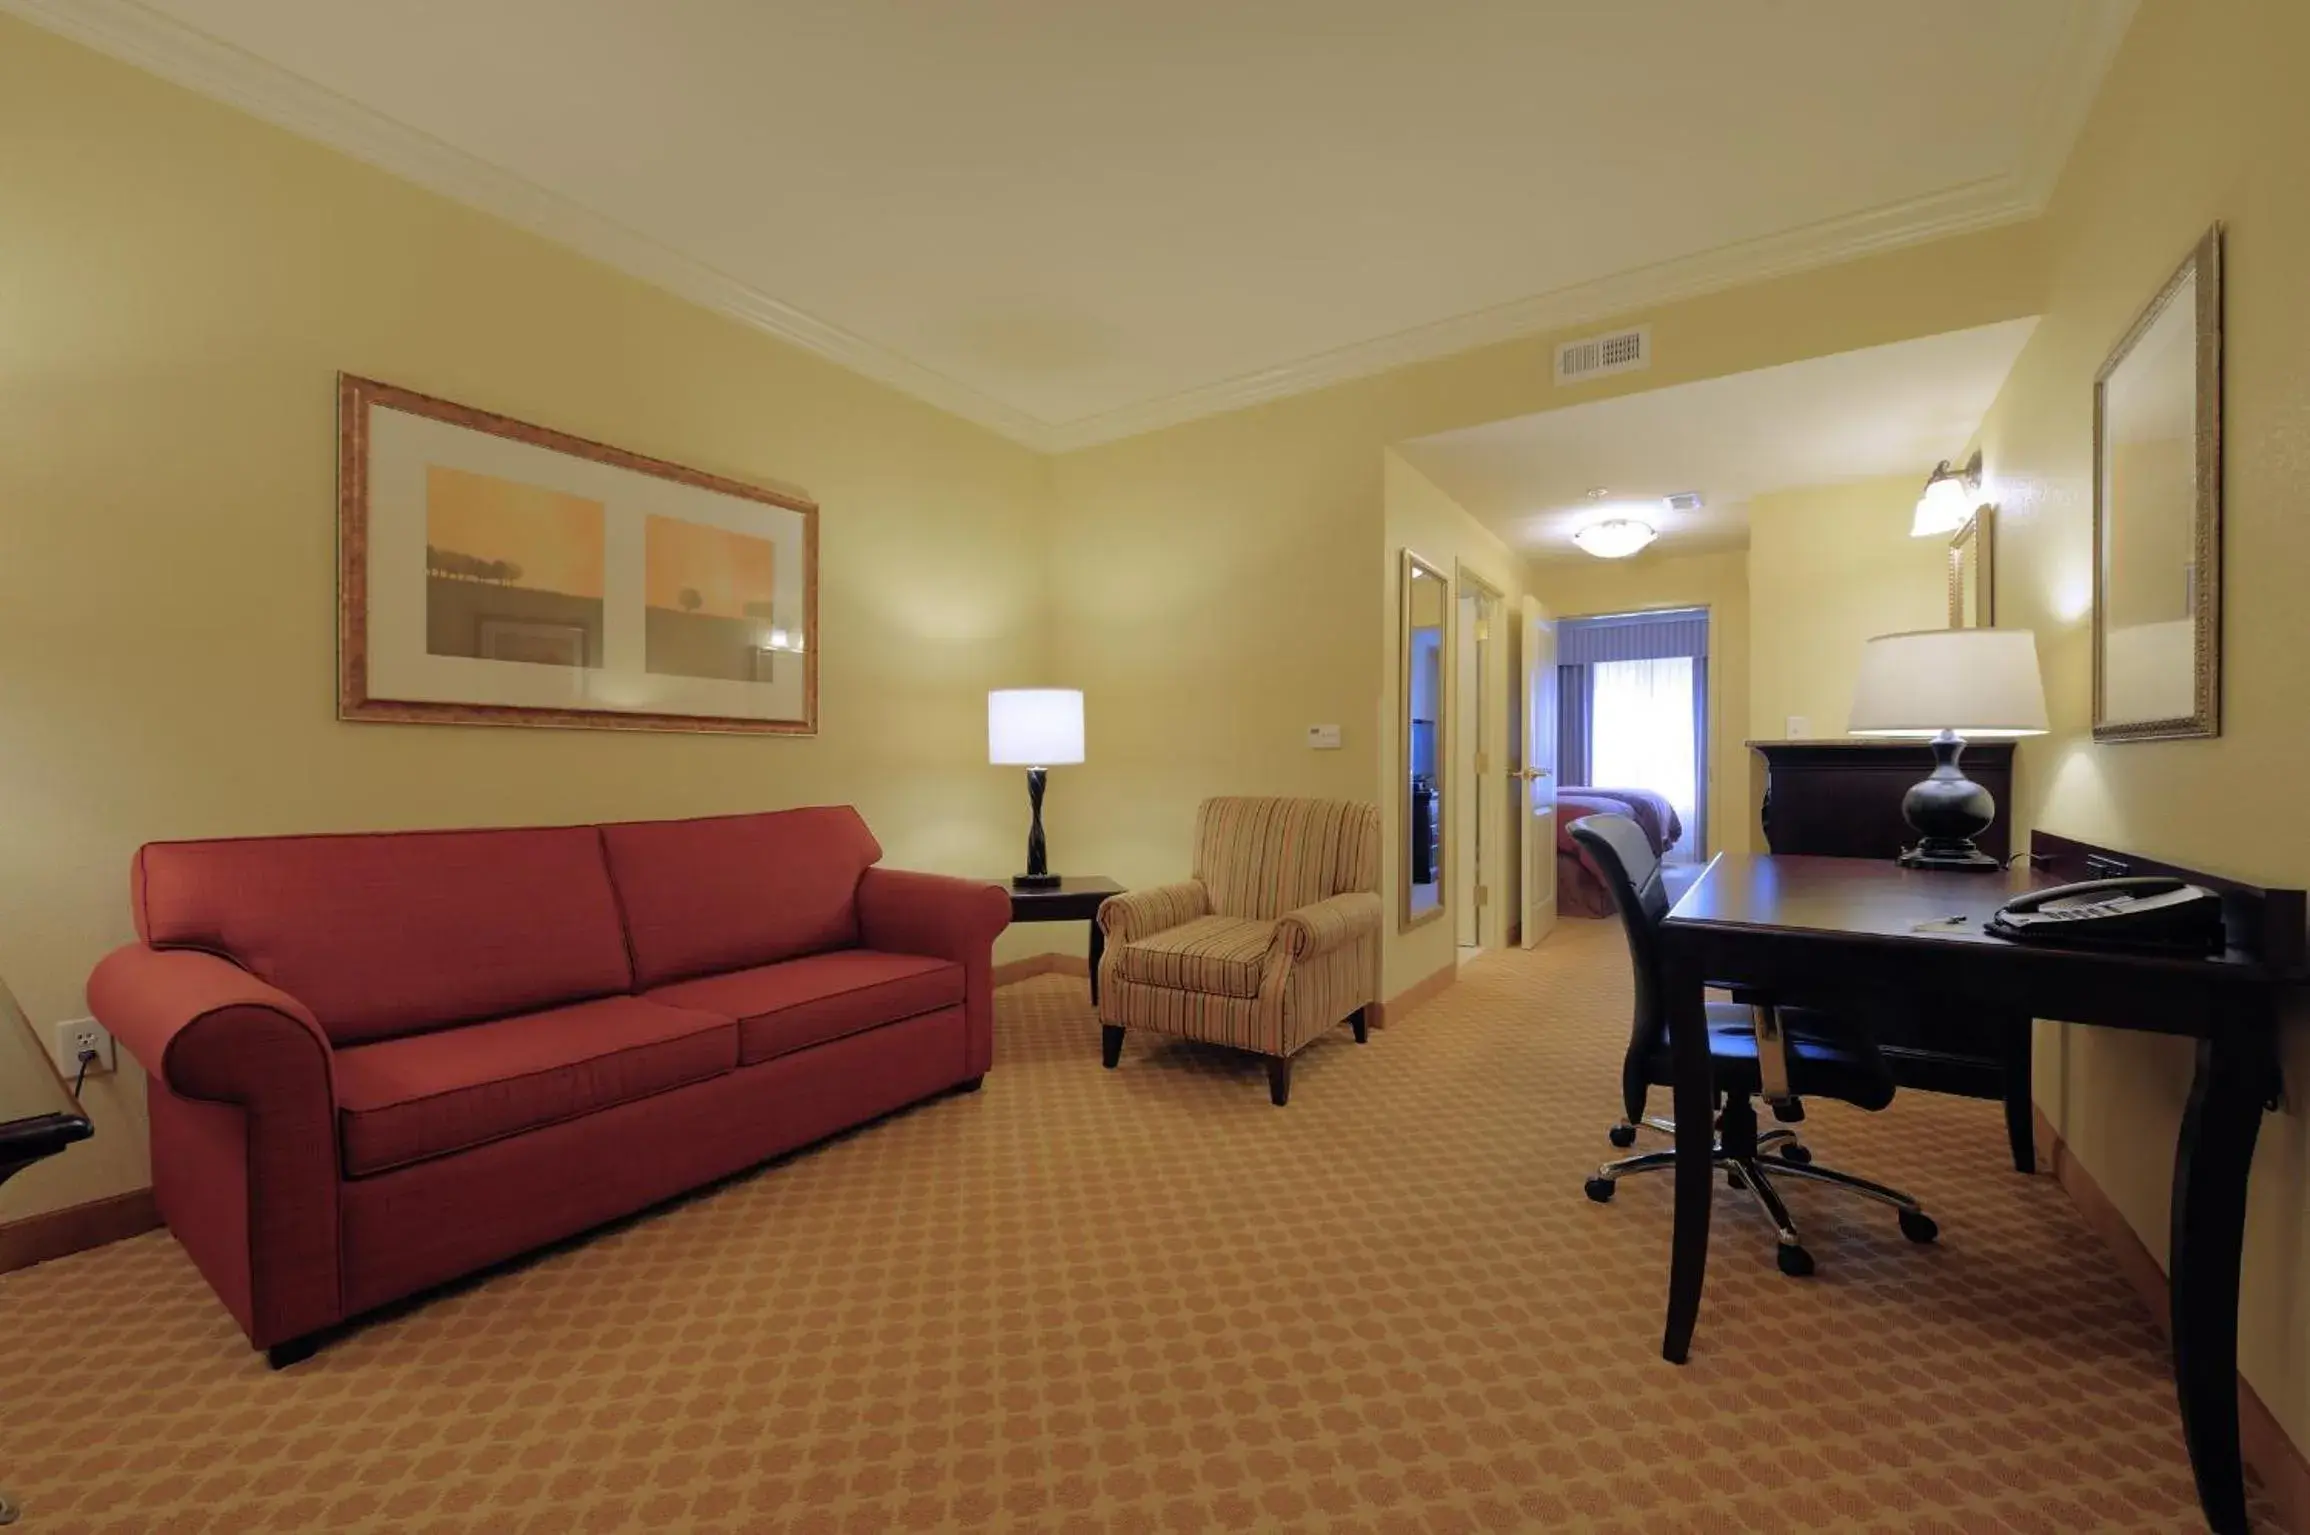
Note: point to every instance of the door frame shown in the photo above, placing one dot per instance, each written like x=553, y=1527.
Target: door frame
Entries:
x=1485, y=864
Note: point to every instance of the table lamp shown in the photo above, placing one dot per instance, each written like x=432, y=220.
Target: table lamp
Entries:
x=1947, y=684
x=1035, y=728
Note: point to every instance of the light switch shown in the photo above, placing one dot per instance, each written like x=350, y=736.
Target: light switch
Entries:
x=1323, y=738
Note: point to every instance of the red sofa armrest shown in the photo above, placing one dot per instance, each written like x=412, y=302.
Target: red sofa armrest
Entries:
x=944, y=918
x=244, y=1129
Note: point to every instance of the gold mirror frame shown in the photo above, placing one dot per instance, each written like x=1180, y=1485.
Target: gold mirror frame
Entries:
x=2204, y=264
x=1405, y=919
x=1977, y=540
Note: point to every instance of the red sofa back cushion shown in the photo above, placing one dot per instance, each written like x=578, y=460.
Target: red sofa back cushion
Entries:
x=738, y=890
x=382, y=934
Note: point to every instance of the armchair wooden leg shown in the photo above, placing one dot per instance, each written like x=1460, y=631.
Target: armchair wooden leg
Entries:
x=1279, y=1080
x=1110, y=1044
x=1358, y=1022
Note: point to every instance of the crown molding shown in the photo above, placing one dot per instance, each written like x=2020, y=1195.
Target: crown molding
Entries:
x=161, y=45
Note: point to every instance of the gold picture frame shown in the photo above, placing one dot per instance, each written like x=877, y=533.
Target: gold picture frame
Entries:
x=2145, y=688
x=495, y=572
x=1421, y=581
x=1973, y=572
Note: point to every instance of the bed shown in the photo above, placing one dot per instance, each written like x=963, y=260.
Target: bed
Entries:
x=1580, y=890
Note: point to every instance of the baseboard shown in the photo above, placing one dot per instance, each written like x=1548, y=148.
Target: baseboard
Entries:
x=1405, y=1002
x=2274, y=1457
x=76, y=1228
x=1027, y=969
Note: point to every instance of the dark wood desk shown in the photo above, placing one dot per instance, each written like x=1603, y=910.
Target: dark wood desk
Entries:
x=1077, y=898
x=1842, y=931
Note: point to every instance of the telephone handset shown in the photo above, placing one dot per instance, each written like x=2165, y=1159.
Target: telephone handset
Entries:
x=2150, y=914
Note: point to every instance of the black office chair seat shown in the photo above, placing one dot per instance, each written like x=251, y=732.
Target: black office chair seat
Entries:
x=1826, y=1057
x=1822, y=1055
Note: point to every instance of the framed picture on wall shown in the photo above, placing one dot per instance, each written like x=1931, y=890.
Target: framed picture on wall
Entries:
x=491, y=572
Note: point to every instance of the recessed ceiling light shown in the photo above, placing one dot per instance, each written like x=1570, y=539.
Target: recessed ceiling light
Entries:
x=1615, y=538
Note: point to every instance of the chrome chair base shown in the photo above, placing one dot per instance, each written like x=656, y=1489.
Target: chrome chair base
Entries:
x=1755, y=1173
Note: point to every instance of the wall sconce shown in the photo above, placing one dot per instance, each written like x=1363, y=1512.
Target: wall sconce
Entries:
x=1949, y=498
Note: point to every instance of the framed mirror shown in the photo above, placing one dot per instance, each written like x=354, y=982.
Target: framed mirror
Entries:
x=2157, y=514
x=1424, y=651
x=1973, y=572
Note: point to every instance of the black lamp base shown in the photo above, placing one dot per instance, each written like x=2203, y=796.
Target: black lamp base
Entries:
x=1960, y=855
x=1948, y=810
x=1038, y=875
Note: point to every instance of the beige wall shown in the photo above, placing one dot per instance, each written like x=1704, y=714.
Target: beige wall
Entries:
x=182, y=285
x=1828, y=567
x=1214, y=586
x=1584, y=588
x=2202, y=118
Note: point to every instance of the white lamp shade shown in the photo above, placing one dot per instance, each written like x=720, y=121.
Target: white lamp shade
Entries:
x=1977, y=682
x=1943, y=508
x=1034, y=727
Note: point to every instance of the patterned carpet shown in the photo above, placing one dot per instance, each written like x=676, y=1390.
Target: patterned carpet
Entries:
x=1146, y=1300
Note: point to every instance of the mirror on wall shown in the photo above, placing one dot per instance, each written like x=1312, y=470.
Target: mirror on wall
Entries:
x=1427, y=606
x=2157, y=514
x=1973, y=572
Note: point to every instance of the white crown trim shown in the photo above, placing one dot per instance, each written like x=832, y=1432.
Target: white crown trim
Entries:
x=139, y=36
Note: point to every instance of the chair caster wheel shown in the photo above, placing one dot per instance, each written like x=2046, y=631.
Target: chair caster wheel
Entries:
x=1801, y=1155
x=1917, y=1226
x=1599, y=1189
x=1795, y=1261
x=1623, y=1136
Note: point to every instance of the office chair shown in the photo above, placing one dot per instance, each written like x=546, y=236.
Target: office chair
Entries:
x=1783, y=1055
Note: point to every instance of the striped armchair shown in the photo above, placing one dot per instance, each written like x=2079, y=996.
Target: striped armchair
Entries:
x=1274, y=941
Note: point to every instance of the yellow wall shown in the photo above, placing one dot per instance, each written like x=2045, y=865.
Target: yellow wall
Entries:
x=2202, y=118
x=1584, y=588
x=1213, y=585
x=182, y=285
x=1422, y=518
x=1828, y=567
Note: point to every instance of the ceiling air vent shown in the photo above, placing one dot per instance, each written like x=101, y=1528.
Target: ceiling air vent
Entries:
x=1685, y=501
x=1624, y=351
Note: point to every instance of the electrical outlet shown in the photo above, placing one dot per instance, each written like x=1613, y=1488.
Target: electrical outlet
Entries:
x=1323, y=738
x=74, y=1035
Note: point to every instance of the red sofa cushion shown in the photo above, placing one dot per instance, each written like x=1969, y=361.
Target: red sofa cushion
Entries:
x=803, y=1002
x=732, y=891
x=386, y=933
x=425, y=1095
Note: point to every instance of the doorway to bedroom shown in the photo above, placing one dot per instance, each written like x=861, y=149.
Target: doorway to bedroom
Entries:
x=1632, y=721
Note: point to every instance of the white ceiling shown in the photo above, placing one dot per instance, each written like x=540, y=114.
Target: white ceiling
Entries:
x=1884, y=410
x=1075, y=221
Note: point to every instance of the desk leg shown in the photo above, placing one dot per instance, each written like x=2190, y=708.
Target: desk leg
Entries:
x=1685, y=990
x=2211, y=1161
x=2020, y=1036
x=1098, y=952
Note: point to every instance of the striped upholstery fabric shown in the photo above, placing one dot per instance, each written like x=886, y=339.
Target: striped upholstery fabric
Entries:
x=1275, y=940
x=1263, y=857
x=1221, y=955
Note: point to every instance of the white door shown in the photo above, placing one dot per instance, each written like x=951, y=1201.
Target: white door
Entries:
x=1538, y=774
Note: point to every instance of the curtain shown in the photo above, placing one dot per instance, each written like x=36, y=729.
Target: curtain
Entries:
x=1633, y=636
x=1642, y=717
x=1572, y=725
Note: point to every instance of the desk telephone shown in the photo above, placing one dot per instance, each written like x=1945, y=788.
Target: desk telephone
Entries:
x=2149, y=914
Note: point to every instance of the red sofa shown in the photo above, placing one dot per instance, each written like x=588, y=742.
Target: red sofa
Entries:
x=378, y=1062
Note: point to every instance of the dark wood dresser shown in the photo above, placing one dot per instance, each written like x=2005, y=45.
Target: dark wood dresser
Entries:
x=1842, y=799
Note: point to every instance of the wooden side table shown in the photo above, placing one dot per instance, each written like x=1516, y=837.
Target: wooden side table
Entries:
x=1076, y=898
x=38, y=1118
